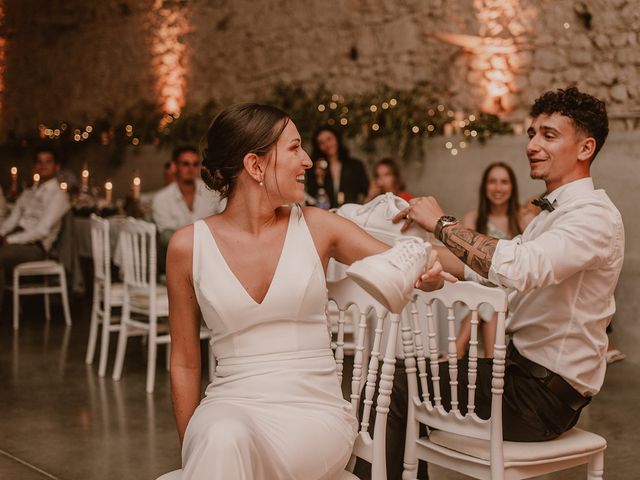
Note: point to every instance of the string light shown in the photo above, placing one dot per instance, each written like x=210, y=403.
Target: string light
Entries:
x=393, y=102
x=373, y=108
x=343, y=121
x=385, y=105
x=321, y=108
x=415, y=129
x=454, y=151
x=333, y=105
x=375, y=127
x=566, y=25
x=449, y=145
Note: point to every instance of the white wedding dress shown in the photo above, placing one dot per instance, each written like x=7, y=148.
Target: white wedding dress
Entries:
x=275, y=408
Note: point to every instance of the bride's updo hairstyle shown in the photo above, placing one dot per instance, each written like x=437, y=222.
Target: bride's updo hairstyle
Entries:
x=239, y=129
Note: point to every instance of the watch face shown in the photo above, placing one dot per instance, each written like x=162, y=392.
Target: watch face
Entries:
x=448, y=218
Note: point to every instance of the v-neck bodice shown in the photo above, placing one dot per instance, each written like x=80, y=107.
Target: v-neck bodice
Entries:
x=291, y=317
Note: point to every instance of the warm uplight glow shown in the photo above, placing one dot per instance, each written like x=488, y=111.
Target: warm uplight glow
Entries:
x=170, y=55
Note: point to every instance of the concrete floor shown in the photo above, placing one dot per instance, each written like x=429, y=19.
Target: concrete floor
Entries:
x=59, y=420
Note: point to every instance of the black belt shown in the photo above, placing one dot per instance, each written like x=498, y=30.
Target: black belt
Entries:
x=554, y=382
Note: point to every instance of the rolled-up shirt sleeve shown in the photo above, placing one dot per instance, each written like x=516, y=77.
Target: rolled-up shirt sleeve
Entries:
x=568, y=246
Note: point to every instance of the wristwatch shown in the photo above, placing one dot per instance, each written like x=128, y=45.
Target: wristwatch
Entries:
x=444, y=221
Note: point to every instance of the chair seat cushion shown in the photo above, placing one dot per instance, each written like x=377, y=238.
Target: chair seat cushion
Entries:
x=573, y=442
x=40, y=267
x=139, y=300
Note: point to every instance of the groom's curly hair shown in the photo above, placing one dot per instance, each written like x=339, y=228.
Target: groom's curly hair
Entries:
x=588, y=114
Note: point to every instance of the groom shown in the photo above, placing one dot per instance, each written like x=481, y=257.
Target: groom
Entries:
x=565, y=267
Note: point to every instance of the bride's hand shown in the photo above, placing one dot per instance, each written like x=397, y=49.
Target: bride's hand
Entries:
x=434, y=276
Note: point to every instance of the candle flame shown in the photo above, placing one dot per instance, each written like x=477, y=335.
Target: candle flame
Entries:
x=63, y=186
x=14, y=170
x=108, y=186
x=85, y=173
x=136, y=181
x=36, y=177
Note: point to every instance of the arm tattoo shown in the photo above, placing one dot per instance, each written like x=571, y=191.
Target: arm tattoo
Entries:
x=473, y=248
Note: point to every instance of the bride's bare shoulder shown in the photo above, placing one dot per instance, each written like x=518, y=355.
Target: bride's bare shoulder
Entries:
x=181, y=243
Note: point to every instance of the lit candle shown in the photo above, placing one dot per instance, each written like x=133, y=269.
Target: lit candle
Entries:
x=108, y=191
x=85, y=178
x=136, y=188
x=63, y=186
x=36, y=179
x=14, y=178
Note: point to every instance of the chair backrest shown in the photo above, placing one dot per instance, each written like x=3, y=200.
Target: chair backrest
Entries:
x=429, y=410
x=139, y=255
x=346, y=294
x=100, y=249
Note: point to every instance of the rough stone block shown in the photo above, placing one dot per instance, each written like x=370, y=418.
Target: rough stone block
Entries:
x=541, y=79
x=628, y=55
x=550, y=59
x=519, y=83
x=619, y=93
x=521, y=60
x=602, y=41
x=580, y=57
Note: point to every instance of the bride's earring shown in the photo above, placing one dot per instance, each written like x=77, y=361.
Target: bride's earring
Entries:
x=261, y=183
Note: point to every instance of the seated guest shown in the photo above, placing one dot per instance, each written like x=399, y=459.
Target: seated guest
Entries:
x=344, y=178
x=564, y=266
x=387, y=178
x=33, y=225
x=183, y=201
x=498, y=215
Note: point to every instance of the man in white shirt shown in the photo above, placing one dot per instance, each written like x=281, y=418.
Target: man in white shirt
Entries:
x=565, y=267
x=183, y=201
x=33, y=225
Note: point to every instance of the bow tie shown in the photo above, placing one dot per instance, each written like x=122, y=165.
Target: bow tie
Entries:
x=544, y=203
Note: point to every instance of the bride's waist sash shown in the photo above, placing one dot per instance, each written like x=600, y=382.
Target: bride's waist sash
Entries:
x=263, y=359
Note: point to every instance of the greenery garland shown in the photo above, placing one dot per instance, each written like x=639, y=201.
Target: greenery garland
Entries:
x=400, y=119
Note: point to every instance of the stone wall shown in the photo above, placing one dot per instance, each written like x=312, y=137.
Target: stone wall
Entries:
x=77, y=60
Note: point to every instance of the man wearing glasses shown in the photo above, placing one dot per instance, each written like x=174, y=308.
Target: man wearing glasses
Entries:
x=183, y=201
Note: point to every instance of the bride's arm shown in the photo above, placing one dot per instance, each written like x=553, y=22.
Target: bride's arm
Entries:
x=339, y=238
x=184, y=321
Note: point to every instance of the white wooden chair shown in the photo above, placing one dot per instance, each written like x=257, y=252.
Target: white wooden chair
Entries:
x=346, y=294
x=106, y=294
x=466, y=443
x=51, y=272
x=144, y=297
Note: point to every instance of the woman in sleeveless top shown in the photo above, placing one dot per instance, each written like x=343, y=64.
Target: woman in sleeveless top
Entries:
x=498, y=215
x=256, y=275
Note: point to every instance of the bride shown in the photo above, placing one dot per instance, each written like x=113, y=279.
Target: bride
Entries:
x=256, y=275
